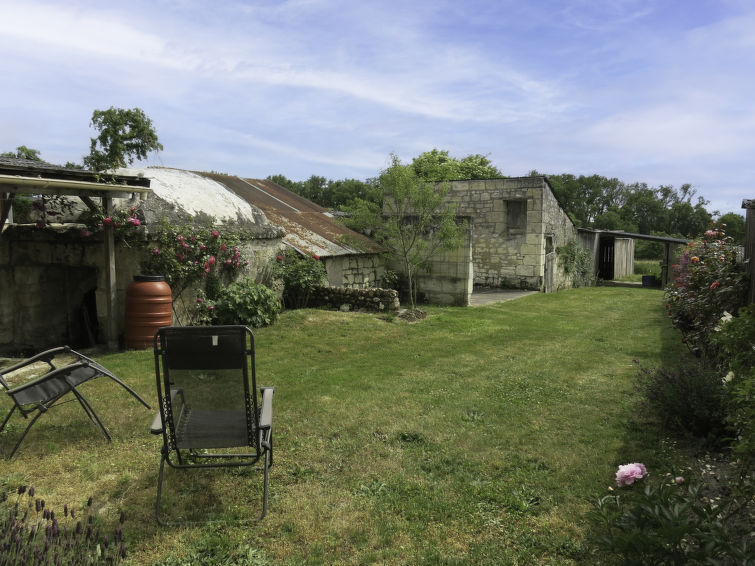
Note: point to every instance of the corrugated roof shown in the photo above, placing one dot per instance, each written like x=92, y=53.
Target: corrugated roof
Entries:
x=310, y=228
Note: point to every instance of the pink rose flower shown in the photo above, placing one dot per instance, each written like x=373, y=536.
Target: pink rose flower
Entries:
x=156, y=251
x=678, y=480
x=279, y=257
x=212, y=260
x=715, y=285
x=628, y=473
x=200, y=300
x=223, y=247
x=180, y=256
x=215, y=234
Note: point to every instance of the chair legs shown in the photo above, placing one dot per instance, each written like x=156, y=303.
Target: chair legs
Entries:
x=266, y=463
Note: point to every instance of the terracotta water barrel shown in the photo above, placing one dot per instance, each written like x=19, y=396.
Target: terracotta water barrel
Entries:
x=149, y=306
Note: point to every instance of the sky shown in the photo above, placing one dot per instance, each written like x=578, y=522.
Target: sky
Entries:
x=661, y=92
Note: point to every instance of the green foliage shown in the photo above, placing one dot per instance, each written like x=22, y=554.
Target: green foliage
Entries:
x=669, y=521
x=32, y=533
x=124, y=135
x=124, y=222
x=300, y=276
x=23, y=152
x=329, y=193
x=599, y=202
x=415, y=224
x=246, y=302
x=734, y=225
x=707, y=283
x=686, y=399
x=195, y=254
x=438, y=165
x=577, y=262
x=734, y=343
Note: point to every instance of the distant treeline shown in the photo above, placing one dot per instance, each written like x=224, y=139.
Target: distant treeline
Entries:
x=590, y=201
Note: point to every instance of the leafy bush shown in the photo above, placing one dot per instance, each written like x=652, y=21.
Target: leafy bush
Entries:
x=300, y=276
x=734, y=343
x=576, y=262
x=687, y=399
x=707, y=283
x=669, y=521
x=31, y=533
x=246, y=302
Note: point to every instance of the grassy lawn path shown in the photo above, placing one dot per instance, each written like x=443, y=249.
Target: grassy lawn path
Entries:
x=476, y=436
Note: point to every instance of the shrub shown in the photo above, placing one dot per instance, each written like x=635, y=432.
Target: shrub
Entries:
x=688, y=399
x=734, y=343
x=300, y=276
x=32, y=533
x=246, y=302
x=669, y=521
x=577, y=262
x=707, y=283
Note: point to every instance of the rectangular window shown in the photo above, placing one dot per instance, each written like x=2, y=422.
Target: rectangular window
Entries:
x=516, y=217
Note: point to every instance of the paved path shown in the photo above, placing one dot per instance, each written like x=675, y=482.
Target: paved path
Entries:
x=487, y=296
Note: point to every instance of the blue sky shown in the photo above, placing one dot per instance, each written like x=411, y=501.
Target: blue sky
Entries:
x=656, y=91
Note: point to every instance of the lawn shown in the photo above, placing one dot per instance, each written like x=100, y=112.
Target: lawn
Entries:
x=476, y=436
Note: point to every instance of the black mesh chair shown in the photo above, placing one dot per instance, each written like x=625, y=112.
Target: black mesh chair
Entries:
x=210, y=416
x=64, y=372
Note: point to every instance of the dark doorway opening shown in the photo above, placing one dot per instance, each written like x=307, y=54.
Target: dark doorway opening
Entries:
x=605, y=259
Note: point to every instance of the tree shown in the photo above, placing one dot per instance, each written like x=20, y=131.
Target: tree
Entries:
x=124, y=135
x=23, y=152
x=416, y=222
x=733, y=225
x=438, y=165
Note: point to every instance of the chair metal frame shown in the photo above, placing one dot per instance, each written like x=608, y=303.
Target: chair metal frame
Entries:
x=41, y=394
x=187, y=444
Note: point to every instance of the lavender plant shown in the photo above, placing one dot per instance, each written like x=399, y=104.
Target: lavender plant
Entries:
x=33, y=534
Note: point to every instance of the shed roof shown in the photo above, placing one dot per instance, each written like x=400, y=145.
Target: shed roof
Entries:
x=310, y=228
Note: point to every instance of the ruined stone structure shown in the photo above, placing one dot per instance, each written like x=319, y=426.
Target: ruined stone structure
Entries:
x=515, y=227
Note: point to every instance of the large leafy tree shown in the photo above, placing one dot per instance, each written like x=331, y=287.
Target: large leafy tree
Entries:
x=23, y=152
x=438, y=165
x=124, y=135
x=415, y=224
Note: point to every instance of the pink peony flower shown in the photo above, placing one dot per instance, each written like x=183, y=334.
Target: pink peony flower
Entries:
x=628, y=473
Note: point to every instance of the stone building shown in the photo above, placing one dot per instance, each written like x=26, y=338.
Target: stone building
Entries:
x=58, y=286
x=351, y=260
x=515, y=227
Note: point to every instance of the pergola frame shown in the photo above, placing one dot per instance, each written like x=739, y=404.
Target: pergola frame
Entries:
x=67, y=182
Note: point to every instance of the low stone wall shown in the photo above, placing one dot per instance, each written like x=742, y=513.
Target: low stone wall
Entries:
x=372, y=300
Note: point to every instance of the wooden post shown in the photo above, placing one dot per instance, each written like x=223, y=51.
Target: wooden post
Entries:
x=749, y=205
x=111, y=287
x=666, y=264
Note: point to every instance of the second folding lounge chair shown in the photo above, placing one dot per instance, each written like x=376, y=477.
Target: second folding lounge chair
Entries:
x=210, y=416
x=64, y=372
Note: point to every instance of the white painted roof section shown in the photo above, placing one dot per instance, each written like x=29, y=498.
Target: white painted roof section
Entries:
x=196, y=194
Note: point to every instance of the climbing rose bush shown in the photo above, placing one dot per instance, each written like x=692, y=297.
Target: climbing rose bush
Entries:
x=708, y=282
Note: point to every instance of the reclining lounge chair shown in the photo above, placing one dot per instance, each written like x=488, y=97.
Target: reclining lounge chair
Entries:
x=210, y=416
x=64, y=375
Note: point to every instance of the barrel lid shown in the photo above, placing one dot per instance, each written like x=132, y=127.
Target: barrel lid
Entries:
x=148, y=278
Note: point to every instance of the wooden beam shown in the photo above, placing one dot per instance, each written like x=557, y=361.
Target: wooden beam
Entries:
x=749, y=205
x=111, y=288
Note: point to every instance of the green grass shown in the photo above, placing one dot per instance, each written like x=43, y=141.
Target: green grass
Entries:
x=477, y=436
x=643, y=267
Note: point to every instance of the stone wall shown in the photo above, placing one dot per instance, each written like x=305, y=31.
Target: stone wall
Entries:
x=514, y=223
x=342, y=298
x=52, y=285
x=361, y=271
x=449, y=279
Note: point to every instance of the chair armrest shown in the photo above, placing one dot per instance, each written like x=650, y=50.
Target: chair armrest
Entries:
x=266, y=414
x=51, y=374
x=41, y=357
x=157, y=423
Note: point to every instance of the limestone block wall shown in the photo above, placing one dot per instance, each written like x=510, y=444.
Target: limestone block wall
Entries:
x=362, y=271
x=513, y=221
x=449, y=279
x=51, y=279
